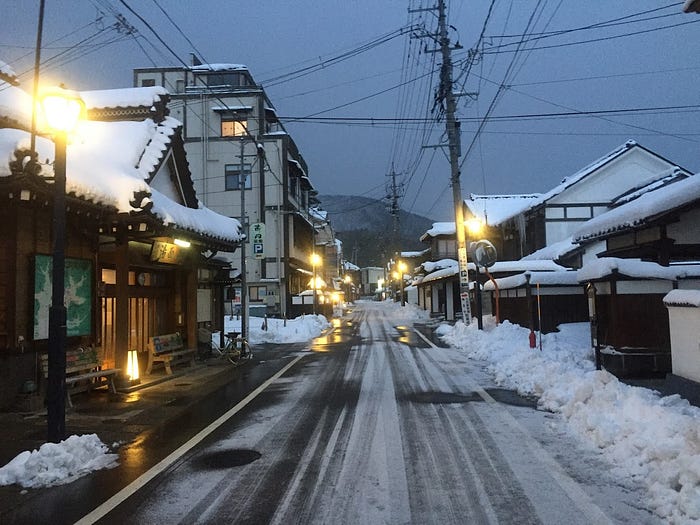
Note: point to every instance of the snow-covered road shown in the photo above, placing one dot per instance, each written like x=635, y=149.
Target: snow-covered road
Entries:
x=378, y=425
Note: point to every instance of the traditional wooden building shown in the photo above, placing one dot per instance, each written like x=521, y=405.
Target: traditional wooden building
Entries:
x=633, y=256
x=137, y=238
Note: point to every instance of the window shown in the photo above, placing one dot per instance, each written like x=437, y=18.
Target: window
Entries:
x=231, y=127
x=233, y=176
x=148, y=82
x=257, y=293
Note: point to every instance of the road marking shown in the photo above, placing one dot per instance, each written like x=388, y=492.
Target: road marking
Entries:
x=572, y=489
x=116, y=500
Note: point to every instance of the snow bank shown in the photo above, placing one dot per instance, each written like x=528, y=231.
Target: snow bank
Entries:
x=299, y=330
x=58, y=463
x=652, y=439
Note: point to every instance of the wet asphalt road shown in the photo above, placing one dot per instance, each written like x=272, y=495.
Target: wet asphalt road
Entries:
x=374, y=424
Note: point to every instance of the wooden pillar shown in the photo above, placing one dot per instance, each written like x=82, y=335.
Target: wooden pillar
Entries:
x=190, y=307
x=121, y=314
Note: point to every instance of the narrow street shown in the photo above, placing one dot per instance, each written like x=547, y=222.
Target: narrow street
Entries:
x=378, y=425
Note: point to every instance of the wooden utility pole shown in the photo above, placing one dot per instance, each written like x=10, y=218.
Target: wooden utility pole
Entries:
x=447, y=100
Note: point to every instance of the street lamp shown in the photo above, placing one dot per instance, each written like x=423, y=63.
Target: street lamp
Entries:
x=315, y=261
x=62, y=109
x=348, y=281
x=402, y=269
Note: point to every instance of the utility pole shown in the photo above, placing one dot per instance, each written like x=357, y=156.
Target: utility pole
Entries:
x=447, y=96
x=244, y=280
x=393, y=198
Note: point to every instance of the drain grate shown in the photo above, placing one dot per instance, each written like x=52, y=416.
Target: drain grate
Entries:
x=236, y=457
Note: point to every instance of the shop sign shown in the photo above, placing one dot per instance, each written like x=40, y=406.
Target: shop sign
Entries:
x=257, y=239
x=165, y=252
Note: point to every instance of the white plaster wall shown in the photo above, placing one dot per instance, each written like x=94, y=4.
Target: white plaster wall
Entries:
x=684, y=324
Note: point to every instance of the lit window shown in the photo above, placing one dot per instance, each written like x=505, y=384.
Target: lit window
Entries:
x=233, y=128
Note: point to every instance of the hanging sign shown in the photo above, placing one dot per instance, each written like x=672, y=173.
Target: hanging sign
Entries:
x=165, y=252
x=257, y=239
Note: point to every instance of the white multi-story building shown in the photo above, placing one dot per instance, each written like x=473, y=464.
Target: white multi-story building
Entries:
x=233, y=137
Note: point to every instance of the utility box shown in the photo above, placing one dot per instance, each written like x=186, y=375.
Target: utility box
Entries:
x=684, y=325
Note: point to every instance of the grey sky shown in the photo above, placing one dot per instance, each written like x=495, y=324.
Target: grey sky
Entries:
x=649, y=70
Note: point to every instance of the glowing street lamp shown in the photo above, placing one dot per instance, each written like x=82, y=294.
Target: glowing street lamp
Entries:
x=63, y=110
x=402, y=270
x=315, y=261
x=348, y=281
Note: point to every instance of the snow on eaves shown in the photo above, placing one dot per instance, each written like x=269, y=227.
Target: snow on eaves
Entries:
x=641, y=210
x=439, y=228
x=689, y=298
x=219, y=67
x=202, y=221
x=7, y=74
x=493, y=210
x=554, y=251
x=123, y=98
x=559, y=278
x=108, y=162
x=635, y=268
x=431, y=266
x=666, y=177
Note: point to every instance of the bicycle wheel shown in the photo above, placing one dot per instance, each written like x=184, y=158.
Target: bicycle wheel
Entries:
x=246, y=352
x=232, y=353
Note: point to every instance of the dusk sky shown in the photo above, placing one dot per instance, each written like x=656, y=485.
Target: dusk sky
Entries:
x=595, y=74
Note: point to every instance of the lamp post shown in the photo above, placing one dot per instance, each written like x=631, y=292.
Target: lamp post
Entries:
x=315, y=261
x=348, y=283
x=62, y=110
x=402, y=269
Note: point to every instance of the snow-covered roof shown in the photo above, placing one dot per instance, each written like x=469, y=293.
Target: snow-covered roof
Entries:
x=219, y=67
x=7, y=74
x=553, y=252
x=666, y=177
x=606, y=266
x=107, y=163
x=586, y=171
x=431, y=266
x=561, y=278
x=232, y=108
x=641, y=210
x=123, y=98
x=683, y=298
x=441, y=274
x=525, y=265
x=347, y=265
x=493, y=210
x=439, y=228
x=411, y=255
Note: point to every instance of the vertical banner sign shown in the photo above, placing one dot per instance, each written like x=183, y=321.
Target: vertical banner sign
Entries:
x=257, y=239
x=464, y=284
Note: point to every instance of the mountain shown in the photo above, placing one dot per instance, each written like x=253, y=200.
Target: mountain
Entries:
x=365, y=227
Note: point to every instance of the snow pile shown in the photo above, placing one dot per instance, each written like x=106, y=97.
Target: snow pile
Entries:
x=407, y=313
x=299, y=330
x=652, y=439
x=58, y=463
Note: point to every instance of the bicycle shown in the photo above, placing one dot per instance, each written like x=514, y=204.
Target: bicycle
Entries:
x=236, y=349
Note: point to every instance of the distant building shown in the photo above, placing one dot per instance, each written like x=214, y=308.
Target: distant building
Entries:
x=233, y=137
x=372, y=278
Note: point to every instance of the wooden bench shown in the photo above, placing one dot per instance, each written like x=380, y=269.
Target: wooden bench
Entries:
x=168, y=349
x=83, y=372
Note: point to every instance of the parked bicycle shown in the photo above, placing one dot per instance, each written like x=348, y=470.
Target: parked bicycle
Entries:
x=236, y=349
